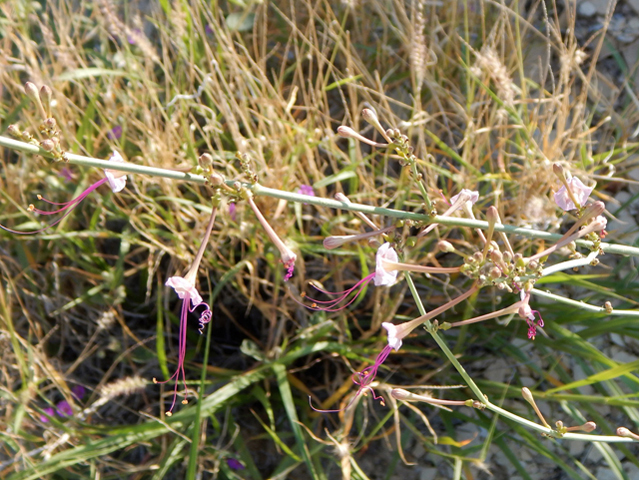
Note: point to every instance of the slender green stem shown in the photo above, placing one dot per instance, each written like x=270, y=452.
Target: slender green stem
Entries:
x=423, y=190
x=584, y=306
x=258, y=189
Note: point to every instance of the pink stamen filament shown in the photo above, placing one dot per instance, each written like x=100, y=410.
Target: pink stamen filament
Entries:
x=205, y=317
x=328, y=305
x=363, y=379
x=68, y=206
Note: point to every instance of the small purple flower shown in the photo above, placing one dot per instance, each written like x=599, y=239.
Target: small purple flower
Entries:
x=208, y=30
x=131, y=38
x=64, y=409
x=115, y=133
x=78, y=392
x=49, y=411
x=232, y=211
x=66, y=173
x=306, y=190
x=234, y=464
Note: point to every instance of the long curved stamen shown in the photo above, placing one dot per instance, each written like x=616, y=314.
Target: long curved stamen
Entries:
x=363, y=379
x=328, y=305
x=68, y=206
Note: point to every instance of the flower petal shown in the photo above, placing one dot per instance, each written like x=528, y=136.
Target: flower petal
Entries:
x=184, y=287
x=384, y=277
x=392, y=333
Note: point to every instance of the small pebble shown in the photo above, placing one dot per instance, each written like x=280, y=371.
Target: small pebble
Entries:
x=586, y=9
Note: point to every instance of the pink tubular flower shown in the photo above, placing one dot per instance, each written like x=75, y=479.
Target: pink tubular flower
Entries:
x=579, y=190
x=287, y=256
x=191, y=299
x=185, y=288
x=117, y=181
x=381, y=277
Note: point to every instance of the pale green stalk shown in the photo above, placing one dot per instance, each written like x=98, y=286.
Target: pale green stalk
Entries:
x=258, y=189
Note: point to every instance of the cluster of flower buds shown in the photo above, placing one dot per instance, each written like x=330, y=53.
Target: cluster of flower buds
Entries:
x=247, y=168
x=48, y=128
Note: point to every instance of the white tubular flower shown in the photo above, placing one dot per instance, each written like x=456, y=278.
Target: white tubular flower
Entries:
x=184, y=287
x=392, y=334
x=117, y=180
x=384, y=277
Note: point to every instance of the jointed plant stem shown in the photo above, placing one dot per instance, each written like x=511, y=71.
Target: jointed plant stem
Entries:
x=259, y=190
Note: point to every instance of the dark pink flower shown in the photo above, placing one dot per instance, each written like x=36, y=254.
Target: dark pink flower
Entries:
x=232, y=211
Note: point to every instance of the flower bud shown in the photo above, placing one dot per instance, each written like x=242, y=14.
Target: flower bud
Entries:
x=14, y=130
x=341, y=197
x=370, y=116
x=507, y=257
x=205, y=161
x=400, y=394
x=495, y=256
x=31, y=91
x=45, y=97
x=477, y=257
x=215, y=179
x=558, y=170
x=533, y=265
x=495, y=273
x=50, y=123
x=608, y=307
x=588, y=427
x=445, y=246
x=625, y=432
x=47, y=145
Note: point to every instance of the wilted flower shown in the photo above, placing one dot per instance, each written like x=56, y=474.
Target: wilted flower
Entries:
x=580, y=194
x=117, y=181
x=287, y=256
